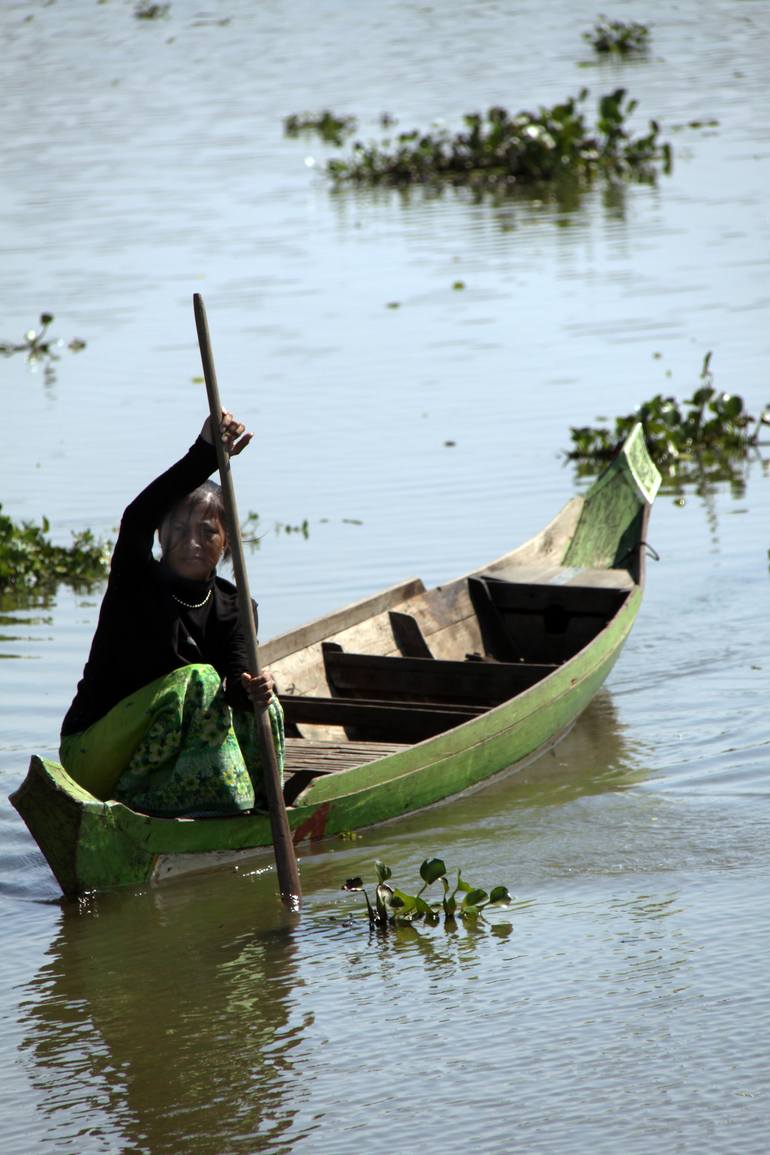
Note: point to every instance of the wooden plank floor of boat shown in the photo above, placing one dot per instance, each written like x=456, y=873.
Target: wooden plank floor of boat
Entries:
x=326, y=757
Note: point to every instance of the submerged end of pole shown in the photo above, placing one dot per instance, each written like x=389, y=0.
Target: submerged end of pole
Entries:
x=292, y=902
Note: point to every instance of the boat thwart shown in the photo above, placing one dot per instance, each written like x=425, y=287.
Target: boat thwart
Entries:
x=402, y=700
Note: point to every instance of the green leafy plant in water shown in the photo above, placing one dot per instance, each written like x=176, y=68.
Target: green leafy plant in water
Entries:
x=498, y=151
x=394, y=907
x=696, y=440
x=253, y=533
x=331, y=128
x=250, y=529
x=39, y=347
x=148, y=11
x=30, y=561
x=618, y=37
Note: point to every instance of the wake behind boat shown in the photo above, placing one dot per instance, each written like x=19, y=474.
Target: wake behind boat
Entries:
x=402, y=700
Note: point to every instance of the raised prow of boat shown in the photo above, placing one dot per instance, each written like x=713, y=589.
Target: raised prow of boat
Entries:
x=401, y=700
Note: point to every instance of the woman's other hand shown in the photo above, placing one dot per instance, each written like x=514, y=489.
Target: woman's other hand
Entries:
x=260, y=688
x=232, y=433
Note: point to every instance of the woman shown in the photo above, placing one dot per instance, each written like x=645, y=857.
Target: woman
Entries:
x=163, y=717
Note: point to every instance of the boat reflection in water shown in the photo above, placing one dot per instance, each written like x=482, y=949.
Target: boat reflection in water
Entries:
x=593, y=759
x=165, y=1019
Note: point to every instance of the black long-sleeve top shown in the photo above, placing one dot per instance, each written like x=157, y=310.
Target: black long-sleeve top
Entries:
x=143, y=632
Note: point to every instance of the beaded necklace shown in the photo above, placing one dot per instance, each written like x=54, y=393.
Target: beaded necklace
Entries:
x=192, y=605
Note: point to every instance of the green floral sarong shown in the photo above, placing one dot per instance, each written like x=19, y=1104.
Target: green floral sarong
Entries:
x=187, y=753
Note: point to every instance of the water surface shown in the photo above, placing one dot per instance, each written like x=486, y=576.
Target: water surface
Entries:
x=621, y=1003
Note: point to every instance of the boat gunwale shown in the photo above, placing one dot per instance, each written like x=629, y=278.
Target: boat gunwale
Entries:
x=315, y=795
x=631, y=603
x=338, y=797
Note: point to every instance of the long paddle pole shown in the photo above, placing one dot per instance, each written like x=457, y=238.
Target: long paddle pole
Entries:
x=285, y=858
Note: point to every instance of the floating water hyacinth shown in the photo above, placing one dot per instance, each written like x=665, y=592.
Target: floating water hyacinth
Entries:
x=701, y=438
x=29, y=561
x=145, y=10
x=331, y=128
x=37, y=344
x=618, y=37
x=395, y=907
x=499, y=151
x=39, y=347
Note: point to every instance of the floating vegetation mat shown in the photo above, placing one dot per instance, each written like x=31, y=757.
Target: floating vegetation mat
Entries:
x=329, y=127
x=500, y=152
x=29, y=561
x=393, y=907
x=618, y=37
x=705, y=438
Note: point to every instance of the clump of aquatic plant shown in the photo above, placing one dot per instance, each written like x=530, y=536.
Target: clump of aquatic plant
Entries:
x=695, y=124
x=394, y=907
x=696, y=439
x=39, y=347
x=331, y=128
x=618, y=37
x=30, y=561
x=253, y=533
x=254, y=530
x=148, y=11
x=499, y=151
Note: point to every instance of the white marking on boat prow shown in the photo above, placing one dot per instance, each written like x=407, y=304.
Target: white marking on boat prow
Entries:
x=173, y=865
x=640, y=466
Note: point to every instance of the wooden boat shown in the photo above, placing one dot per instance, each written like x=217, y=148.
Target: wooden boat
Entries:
x=403, y=699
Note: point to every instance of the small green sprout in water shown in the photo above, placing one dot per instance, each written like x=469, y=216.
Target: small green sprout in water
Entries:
x=250, y=529
x=30, y=561
x=331, y=128
x=39, y=347
x=618, y=37
x=696, y=440
x=393, y=907
x=501, y=152
x=695, y=124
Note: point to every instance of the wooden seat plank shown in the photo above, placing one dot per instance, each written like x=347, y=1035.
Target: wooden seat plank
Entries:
x=431, y=681
x=577, y=601
x=376, y=718
x=331, y=756
x=526, y=620
x=304, y=760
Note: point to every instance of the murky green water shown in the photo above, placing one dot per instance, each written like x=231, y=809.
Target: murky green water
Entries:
x=624, y=1007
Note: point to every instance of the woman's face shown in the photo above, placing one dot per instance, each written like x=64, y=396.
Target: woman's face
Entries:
x=193, y=540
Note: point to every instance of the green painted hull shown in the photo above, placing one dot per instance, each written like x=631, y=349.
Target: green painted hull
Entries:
x=94, y=845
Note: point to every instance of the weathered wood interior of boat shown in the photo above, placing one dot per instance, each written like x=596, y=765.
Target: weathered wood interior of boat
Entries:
x=306, y=759
x=401, y=700
x=525, y=621
x=413, y=663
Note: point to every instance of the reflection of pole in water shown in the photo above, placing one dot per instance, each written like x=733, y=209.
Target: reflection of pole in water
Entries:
x=163, y=1019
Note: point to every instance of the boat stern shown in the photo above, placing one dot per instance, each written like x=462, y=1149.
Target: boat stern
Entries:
x=78, y=834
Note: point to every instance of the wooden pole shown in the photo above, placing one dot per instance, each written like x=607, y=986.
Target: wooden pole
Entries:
x=285, y=858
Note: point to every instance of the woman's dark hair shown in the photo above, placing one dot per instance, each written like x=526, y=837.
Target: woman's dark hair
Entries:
x=210, y=493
